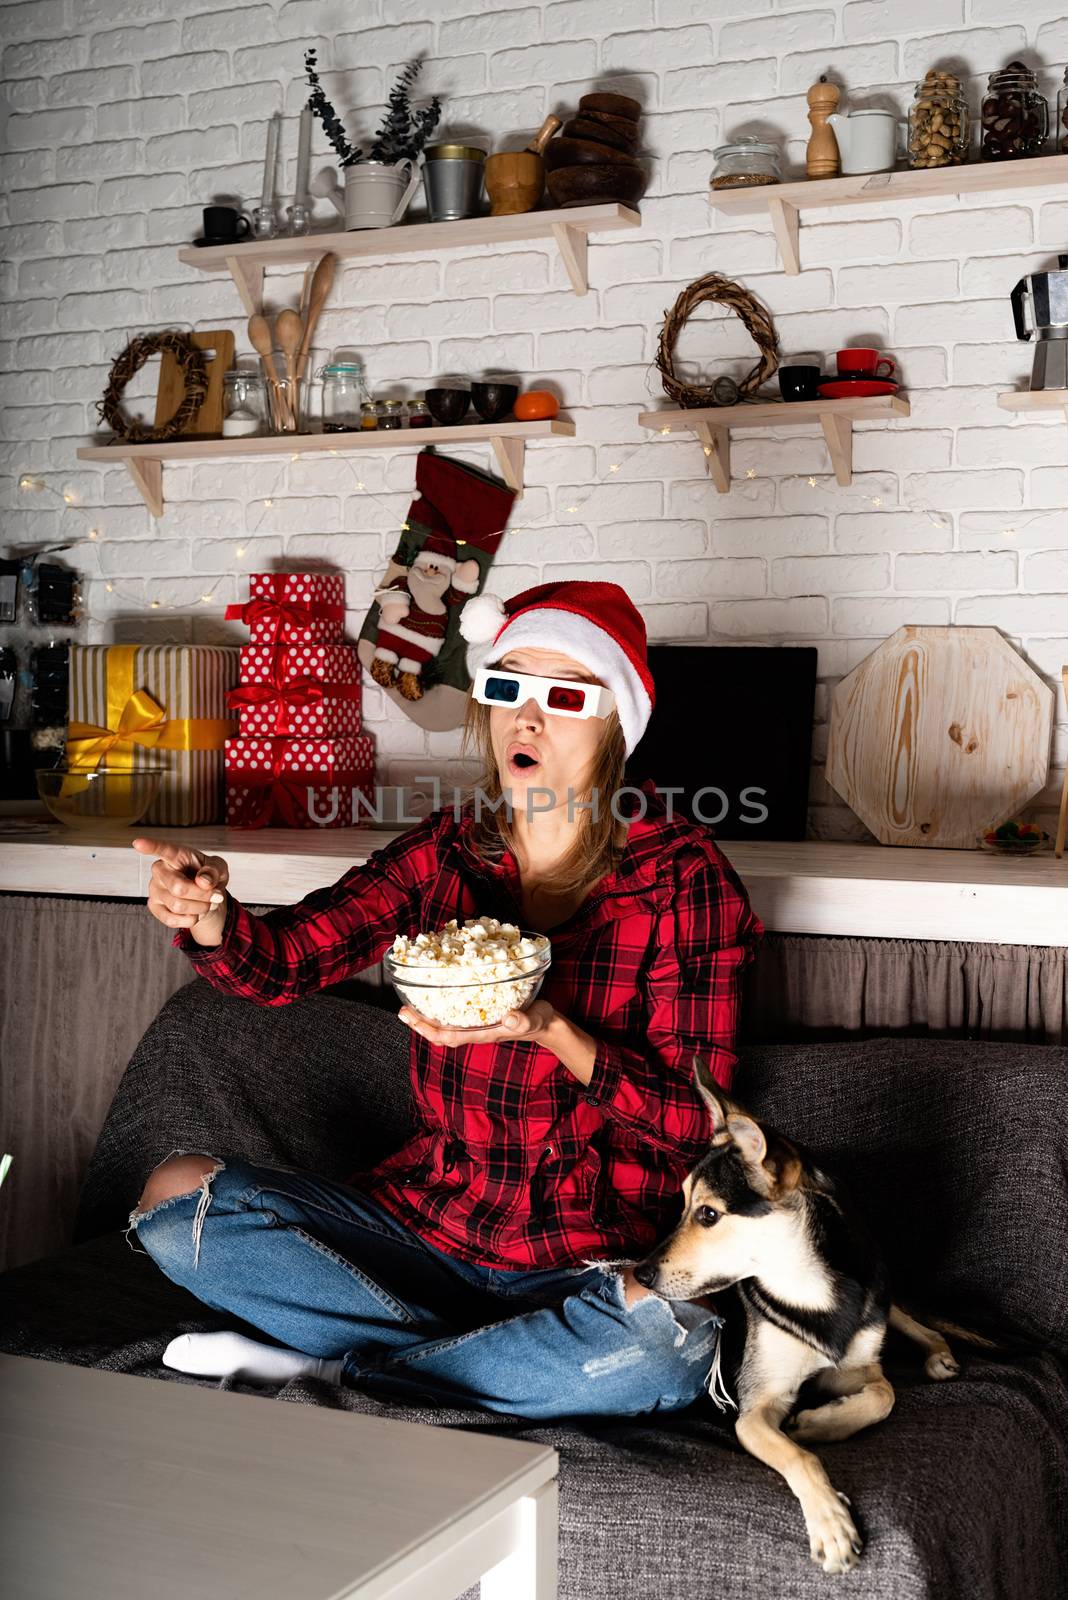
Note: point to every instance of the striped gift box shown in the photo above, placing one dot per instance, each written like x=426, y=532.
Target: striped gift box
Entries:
x=113, y=689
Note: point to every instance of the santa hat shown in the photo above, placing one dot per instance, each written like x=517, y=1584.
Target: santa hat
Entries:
x=596, y=624
x=440, y=547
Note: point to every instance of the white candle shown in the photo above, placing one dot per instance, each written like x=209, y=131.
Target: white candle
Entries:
x=269, y=161
x=300, y=188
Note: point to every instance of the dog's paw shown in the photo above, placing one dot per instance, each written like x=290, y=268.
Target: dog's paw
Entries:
x=833, y=1540
x=943, y=1364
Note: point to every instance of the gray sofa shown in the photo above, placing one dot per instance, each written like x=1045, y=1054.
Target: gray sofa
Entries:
x=956, y=1150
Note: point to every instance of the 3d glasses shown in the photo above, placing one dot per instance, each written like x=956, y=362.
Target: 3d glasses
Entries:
x=564, y=697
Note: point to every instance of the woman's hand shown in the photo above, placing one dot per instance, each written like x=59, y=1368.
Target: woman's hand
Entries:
x=185, y=890
x=531, y=1023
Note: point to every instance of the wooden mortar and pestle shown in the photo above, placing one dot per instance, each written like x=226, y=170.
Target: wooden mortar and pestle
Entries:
x=515, y=179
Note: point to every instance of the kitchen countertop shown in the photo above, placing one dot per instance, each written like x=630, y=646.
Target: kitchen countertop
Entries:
x=795, y=886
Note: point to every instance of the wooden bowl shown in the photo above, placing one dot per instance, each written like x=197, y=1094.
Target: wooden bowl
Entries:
x=587, y=186
x=597, y=133
x=581, y=153
x=493, y=401
x=514, y=182
x=618, y=105
x=447, y=406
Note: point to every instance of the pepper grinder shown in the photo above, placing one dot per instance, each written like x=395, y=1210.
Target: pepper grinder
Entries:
x=821, y=156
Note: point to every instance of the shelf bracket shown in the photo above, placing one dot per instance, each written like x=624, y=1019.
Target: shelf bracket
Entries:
x=785, y=219
x=148, y=476
x=838, y=432
x=573, y=244
x=510, y=454
x=717, y=447
x=249, y=280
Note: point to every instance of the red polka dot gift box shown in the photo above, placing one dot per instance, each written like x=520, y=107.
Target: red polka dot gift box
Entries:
x=293, y=608
x=304, y=691
x=299, y=783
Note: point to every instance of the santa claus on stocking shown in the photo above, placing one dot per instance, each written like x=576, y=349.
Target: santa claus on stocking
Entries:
x=415, y=607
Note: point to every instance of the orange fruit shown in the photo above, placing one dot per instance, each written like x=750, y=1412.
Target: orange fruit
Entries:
x=535, y=404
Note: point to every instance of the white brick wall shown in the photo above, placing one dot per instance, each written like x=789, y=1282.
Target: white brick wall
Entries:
x=123, y=117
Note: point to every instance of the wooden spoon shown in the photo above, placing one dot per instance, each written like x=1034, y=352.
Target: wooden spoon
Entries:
x=288, y=332
x=320, y=287
x=259, y=334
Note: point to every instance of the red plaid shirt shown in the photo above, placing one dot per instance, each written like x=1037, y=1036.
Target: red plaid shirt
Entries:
x=515, y=1163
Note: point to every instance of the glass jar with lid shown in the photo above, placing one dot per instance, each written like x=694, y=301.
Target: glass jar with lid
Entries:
x=419, y=415
x=745, y=161
x=391, y=413
x=344, y=395
x=1015, y=115
x=938, y=122
x=243, y=403
x=1062, y=116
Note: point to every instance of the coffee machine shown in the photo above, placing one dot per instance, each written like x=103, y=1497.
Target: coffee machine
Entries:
x=1046, y=294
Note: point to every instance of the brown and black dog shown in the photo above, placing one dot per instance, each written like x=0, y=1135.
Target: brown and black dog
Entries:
x=761, y=1217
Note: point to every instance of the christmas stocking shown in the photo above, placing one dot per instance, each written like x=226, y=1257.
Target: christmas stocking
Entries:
x=410, y=641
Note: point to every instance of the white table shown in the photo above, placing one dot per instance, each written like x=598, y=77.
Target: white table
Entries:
x=116, y=1487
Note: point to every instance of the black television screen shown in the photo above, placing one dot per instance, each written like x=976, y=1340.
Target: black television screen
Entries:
x=732, y=729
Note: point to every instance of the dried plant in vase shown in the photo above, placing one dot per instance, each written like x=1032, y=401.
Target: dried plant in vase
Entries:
x=380, y=183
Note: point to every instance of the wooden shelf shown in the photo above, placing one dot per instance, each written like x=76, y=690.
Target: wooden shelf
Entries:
x=1035, y=400
x=713, y=426
x=569, y=228
x=507, y=439
x=795, y=886
x=785, y=202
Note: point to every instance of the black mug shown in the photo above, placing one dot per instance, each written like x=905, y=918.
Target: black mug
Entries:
x=799, y=383
x=225, y=225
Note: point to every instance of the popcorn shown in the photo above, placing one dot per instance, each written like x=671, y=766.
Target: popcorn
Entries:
x=470, y=976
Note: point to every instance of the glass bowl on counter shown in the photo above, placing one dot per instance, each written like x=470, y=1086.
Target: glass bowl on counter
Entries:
x=103, y=799
x=455, y=996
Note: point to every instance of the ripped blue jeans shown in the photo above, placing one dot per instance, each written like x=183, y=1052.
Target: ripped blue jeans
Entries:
x=326, y=1270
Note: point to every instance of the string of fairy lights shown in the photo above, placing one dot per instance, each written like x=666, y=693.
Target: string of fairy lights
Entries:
x=95, y=533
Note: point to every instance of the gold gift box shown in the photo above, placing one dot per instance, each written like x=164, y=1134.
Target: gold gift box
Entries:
x=156, y=705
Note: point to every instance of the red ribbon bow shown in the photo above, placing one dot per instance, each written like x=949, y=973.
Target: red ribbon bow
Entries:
x=277, y=612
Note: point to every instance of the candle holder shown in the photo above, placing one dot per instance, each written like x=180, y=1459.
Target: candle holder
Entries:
x=299, y=220
x=264, y=222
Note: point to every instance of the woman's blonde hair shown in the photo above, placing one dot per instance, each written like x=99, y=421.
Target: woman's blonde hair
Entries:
x=596, y=851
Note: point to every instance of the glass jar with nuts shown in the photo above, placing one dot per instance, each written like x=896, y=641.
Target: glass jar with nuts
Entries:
x=1015, y=115
x=938, y=122
x=744, y=162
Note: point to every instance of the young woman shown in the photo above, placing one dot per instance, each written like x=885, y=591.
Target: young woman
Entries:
x=480, y=1263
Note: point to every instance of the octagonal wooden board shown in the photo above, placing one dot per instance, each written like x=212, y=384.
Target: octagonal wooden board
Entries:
x=939, y=733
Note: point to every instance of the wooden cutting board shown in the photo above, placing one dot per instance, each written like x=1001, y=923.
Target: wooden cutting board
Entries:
x=206, y=423
x=938, y=734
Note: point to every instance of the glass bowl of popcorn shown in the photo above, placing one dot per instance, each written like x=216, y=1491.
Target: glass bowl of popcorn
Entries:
x=469, y=975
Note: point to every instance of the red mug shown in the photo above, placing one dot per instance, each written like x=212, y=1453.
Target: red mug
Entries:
x=859, y=361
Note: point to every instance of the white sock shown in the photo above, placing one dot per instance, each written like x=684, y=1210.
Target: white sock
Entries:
x=227, y=1355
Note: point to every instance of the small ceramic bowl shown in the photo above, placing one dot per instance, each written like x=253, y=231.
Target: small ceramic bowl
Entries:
x=493, y=401
x=447, y=406
x=106, y=800
x=481, y=1003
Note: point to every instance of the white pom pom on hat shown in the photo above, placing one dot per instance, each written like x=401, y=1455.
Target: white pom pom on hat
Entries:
x=596, y=624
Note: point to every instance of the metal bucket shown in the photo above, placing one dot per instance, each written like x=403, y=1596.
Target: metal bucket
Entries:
x=452, y=178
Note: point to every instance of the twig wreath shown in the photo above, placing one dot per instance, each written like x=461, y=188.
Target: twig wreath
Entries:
x=137, y=352
x=723, y=391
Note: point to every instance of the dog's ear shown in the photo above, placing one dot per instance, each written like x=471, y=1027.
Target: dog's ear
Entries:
x=720, y=1105
x=748, y=1139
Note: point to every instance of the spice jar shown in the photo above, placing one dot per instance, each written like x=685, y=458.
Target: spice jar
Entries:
x=746, y=161
x=1062, y=115
x=244, y=406
x=343, y=396
x=938, y=122
x=1014, y=113
x=418, y=415
x=391, y=414
x=368, y=415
